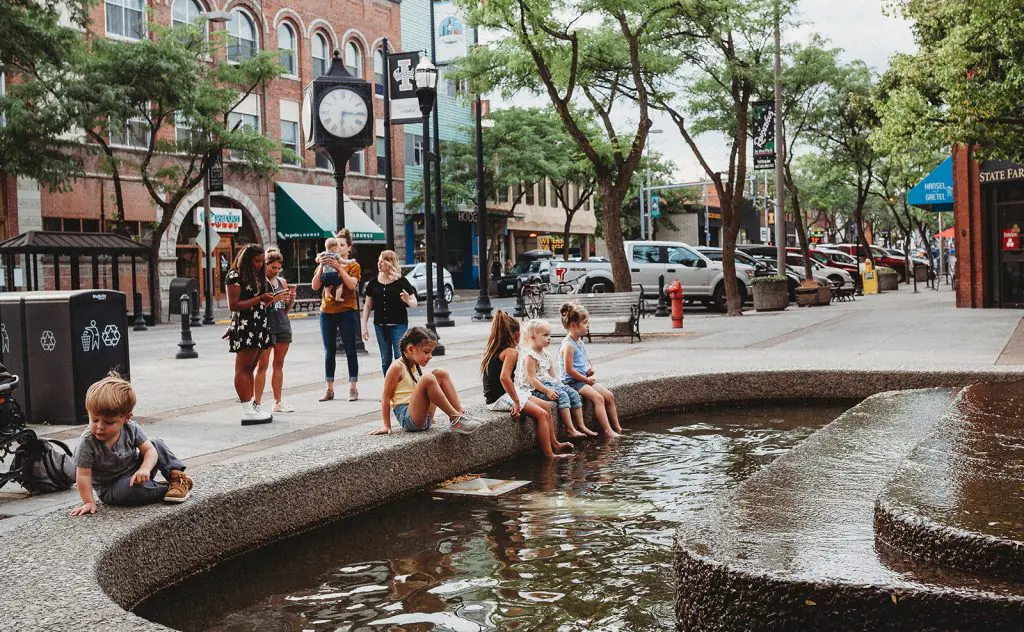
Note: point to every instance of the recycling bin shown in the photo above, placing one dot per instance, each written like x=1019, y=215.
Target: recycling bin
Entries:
x=179, y=286
x=73, y=339
x=13, y=351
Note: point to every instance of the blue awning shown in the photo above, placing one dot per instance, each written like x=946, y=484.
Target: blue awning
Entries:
x=935, y=192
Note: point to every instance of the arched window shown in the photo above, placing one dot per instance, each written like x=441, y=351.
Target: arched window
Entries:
x=354, y=60
x=321, y=53
x=286, y=45
x=378, y=72
x=241, y=36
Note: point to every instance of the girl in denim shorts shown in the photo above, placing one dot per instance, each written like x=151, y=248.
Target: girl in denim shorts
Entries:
x=536, y=372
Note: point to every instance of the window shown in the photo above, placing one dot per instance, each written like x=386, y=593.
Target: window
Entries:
x=354, y=60
x=126, y=18
x=414, y=150
x=646, y=254
x=183, y=132
x=382, y=163
x=529, y=195
x=682, y=256
x=378, y=72
x=355, y=163
x=51, y=224
x=321, y=53
x=517, y=192
x=503, y=195
x=290, y=140
x=248, y=120
x=542, y=193
x=133, y=133
x=323, y=161
x=554, y=198
x=241, y=36
x=286, y=46
x=90, y=225
x=185, y=12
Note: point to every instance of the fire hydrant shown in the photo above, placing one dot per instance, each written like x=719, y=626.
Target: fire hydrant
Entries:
x=675, y=294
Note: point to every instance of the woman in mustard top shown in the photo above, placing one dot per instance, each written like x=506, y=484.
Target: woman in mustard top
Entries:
x=340, y=315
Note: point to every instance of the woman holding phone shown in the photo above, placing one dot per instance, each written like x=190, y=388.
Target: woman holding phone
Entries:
x=248, y=335
x=280, y=331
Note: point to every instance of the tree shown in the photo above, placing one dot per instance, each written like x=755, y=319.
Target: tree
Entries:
x=725, y=48
x=146, y=89
x=551, y=49
x=823, y=188
x=964, y=81
x=32, y=39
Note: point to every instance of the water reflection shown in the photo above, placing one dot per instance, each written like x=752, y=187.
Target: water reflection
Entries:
x=585, y=547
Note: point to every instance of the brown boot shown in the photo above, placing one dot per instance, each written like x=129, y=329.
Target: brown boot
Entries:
x=179, y=487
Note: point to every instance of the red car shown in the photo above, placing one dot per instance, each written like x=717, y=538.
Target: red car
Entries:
x=882, y=258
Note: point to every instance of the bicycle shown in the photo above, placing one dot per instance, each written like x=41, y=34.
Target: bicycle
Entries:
x=532, y=295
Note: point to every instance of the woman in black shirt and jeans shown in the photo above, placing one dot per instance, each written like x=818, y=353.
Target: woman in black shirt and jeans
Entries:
x=389, y=296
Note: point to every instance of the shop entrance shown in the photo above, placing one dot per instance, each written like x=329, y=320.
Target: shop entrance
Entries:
x=1011, y=255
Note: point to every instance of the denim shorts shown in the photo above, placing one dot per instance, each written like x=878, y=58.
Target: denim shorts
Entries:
x=567, y=397
x=574, y=384
x=282, y=338
x=402, y=415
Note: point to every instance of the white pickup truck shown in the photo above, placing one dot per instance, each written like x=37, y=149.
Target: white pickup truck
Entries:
x=701, y=277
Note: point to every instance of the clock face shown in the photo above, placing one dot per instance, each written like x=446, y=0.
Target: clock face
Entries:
x=343, y=113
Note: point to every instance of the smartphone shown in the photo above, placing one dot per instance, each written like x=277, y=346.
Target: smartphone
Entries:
x=284, y=291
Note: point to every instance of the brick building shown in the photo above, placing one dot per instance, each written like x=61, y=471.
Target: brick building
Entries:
x=988, y=215
x=304, y=33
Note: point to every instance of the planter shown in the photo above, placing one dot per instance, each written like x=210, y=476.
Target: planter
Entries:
x=771, y=296
x=888, y=281
x=813, y=296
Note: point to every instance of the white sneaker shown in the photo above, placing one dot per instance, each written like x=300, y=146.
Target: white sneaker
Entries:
x=281, y=407
x=251, y=414
x=465, y=425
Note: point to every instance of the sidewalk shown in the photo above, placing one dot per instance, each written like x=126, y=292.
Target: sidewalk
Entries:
x=191, y=403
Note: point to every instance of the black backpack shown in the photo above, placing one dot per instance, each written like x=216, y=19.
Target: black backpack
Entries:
x=46, y=465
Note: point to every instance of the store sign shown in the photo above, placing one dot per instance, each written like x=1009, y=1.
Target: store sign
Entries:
x=1011, y=238
x=222, y=220
x=764, y=134
x=1000, y=171
x=552, y=243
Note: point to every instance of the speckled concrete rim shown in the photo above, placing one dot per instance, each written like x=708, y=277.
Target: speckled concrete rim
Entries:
x=61, y=573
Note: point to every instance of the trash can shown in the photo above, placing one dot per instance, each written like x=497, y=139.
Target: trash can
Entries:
x=921, y=273
x=73, y=339
x=179, y=286
x=13, y=350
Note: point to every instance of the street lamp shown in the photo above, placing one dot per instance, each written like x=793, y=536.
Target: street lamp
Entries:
x=213, y=17
x=425, y=77
x=483, y=302
x=645, y=202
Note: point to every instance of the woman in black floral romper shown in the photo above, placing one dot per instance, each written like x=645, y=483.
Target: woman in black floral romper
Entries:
x=248, y=297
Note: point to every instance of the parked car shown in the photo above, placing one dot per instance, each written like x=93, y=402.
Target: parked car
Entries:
x=835, y=275
x=881, y=257
x=523, y=271
x=701, y=277
x=419, y=281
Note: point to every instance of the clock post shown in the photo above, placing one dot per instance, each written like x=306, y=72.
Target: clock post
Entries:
x=338, y=117
x=337, y=114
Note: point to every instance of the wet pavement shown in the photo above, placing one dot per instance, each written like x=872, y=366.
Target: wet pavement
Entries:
x=794, y=546
x=957, y=500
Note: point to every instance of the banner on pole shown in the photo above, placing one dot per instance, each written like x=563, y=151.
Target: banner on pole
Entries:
x=764, y=134
x=215, y=174
x=450, y=34
x=405, y=107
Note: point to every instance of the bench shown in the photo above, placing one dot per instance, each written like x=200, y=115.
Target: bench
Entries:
x=846, y=293
x=624, y=307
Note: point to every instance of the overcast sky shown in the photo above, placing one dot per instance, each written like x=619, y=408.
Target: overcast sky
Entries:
x=857, y=26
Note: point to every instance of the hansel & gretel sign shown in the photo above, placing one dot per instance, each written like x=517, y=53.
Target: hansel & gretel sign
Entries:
x=1000, y=171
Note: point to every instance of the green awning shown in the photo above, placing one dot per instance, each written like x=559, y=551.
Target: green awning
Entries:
x=307, y=211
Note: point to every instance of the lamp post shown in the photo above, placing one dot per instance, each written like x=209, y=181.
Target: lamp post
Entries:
x=426, y=93
x=482, y=311
x=214, y=159
x=780, y=148
x=647, y=223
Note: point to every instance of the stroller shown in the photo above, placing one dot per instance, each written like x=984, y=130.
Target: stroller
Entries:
x=38, y=465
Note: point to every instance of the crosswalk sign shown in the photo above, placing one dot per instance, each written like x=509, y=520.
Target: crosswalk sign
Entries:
x=655, y=206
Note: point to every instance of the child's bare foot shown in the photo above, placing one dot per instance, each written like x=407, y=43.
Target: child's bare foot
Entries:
x=574, y=434
x=587, y=431
x=554, y=455
x=565, y=445
x=611, y=434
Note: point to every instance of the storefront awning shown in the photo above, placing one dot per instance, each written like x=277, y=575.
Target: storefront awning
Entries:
x=935, y=192
x=307, y=211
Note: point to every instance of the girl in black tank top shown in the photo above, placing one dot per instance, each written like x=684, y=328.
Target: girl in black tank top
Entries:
x=498, y=372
